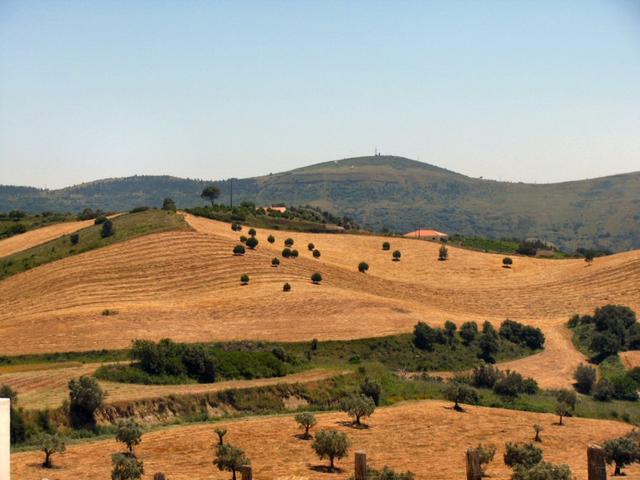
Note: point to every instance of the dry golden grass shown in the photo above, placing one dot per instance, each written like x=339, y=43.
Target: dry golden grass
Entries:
x=185, y=285
x=426, y=437
x=47, y=387
x=630, y=359
x=29, y=239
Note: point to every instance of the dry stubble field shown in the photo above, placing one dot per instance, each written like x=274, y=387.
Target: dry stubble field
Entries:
x=185, y=285
x=427, y=437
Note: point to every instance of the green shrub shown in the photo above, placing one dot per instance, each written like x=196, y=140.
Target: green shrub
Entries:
x=307, y=421
x=543, y=471
x=621, y=452
x=74, y=238
x=100, y=220
x=169, y=205
x=468, y=332
x=108, y=229
x=311, y=247
x=238, y=250
x=460, y=393
x=507, y=262
x=230, y=458
x=316, y=278
x=316, y=253
x=396, y=256
x=275, y=262
x=386, y=246
x=288, y=242
x=286, y=252
x=85, y=397
x=363, y=267
x=585, y=377
x=486, y=453
x=603, y=390
x=126, y=467
x=271, y=239
x=286, y=287
x=244, y=279
x=252, y=232
x=443, y=253
x=243, y=239
x=129, y=432
x=358, y=407
x=294, y=253
x=521, y=334
x=252, y=243
x=524, y=455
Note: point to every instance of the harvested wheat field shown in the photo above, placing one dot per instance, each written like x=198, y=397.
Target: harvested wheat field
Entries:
x=185, y=285
x=427, y=437
x=29, y=239
x=47, y=386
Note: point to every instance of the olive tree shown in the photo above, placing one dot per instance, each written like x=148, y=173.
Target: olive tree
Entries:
x=363, y=267
x=331, y=444
x=220, y=432
x=244, y=279
x=396, y=256
x=523, y=455
x=443, y=253
x=306, y=420
x=238, y=250
x=252, y=243
x=271, y=239
x=129, y=432
x=507, y=262
x=50, y=444
x=621, y=452
x=311, y=247
x=316, y=253
x=286, y=287
x=85, y=397
x=566, y=401
x=538, y=429
x=275, y=262
x=359, y=407
x=458, y=393
x=585, y=376
x=316, y=278
x=230, y=459
x=386, y=246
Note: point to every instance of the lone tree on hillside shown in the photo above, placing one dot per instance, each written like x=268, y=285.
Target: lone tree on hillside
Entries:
x=311, y=247
x=316, y=253
x=286, y=287
x=589, y=256
x=386, y=246
x=538, y=429
x=507, y=262
x=129, y=432
x=460, y=393
x=396, y=256
x=220, y=432
x=275, y=262
x=126, y=467
x=230, y=459
x=236, y=227
x=50, y=444
x=252, y=232
x=85, y=397
x=316, y=278
x=621, y=452
x=585, y=376
x=331, y=444
x=252, y=243
x=238, y=250
x=169, y=205
x=74, y=238
x=244, y=279
x=294, y=253
x=107, y=229
x=210, y=193
x=363, y=267
x=359, y=407
x=443, y=253
x=306, y=420
x=288, y=242
x=566, y=401
x=271, y=239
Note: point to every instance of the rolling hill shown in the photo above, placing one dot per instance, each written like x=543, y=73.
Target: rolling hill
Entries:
x=394, y=193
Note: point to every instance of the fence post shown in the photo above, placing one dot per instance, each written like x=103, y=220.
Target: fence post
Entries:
x=473, y=465
x=596, y=463
x=246, y=473
x=361, y=466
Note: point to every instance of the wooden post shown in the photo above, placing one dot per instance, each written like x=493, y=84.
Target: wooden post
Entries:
x=246, y=473
x=159, y=476
x=595, y=463
x=473, y=465
x=361, y=466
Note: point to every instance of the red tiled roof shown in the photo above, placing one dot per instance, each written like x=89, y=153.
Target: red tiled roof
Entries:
x=425, y=233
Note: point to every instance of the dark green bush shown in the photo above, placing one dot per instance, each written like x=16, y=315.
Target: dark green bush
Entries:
x=521, y=334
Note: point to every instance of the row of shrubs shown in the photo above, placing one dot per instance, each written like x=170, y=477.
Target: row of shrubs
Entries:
x=167, y=362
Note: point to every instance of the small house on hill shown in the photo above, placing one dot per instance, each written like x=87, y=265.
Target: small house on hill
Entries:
x=274, y=208
x=427, y=235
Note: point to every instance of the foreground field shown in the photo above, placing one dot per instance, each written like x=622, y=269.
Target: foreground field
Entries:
x=185, y=285
x=426, y=437
x=17, y=243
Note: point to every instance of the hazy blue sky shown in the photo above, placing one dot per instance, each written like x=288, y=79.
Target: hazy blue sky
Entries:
x=527, y=90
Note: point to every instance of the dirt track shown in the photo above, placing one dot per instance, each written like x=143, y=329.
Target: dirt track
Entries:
x=426, y=437
x=185, y=285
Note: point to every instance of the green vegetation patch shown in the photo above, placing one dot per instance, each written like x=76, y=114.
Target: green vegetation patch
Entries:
x=123, y=227
x=16, y=222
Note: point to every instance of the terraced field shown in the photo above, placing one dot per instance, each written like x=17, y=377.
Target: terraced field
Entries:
x=185, y=285
x=46, y=386
x=29, y=239
x=428, y=438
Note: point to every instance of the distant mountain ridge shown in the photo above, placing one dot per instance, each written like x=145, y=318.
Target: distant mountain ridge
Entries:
x=394, y=193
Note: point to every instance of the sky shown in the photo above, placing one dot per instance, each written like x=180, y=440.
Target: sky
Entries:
x=530, y=90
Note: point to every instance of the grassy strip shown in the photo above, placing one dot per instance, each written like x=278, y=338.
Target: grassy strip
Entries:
x=16, y=225
x=126, y=227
